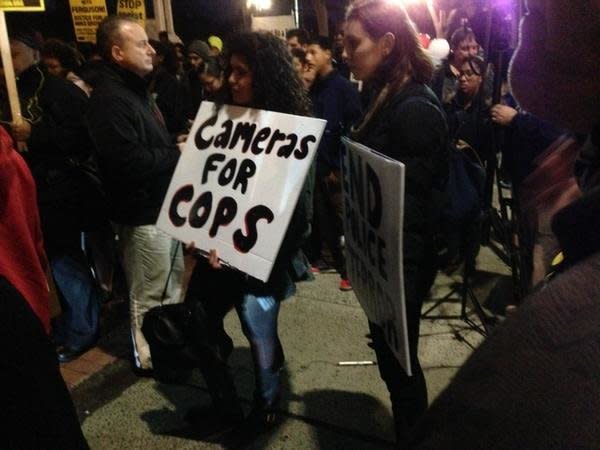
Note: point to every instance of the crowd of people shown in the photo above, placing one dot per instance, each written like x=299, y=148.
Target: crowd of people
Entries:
x=84, y=172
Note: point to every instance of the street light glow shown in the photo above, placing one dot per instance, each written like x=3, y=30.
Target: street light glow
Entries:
x=410, y=2
x=258, y=5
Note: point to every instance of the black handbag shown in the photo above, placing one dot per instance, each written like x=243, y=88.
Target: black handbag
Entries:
x=182, y=337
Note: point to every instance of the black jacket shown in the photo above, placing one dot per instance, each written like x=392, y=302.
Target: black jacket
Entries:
x=171, y=98
x=134, y=150
x=412, y=129
x=194, y=91
x=470, y=125
x=55, y=107
x=336, y=100
x=525, y=138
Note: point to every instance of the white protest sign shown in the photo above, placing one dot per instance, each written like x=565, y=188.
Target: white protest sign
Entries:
x=277, y=25
x=373, y=215
x=237, y=183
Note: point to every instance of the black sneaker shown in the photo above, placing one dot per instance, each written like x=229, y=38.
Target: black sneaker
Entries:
x=142, y=373
x=66, y=354
x=211, y=426
x=260, y=421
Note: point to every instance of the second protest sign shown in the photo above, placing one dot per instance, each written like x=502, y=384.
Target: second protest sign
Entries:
x=373, y=215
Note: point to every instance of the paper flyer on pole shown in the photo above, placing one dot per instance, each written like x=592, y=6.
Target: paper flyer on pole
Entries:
x=22, y=5
x=87, y=15
x=136, y=9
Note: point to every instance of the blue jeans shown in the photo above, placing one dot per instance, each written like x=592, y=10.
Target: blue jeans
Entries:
x=258, y=317
x=258, y=311
x=78, y=326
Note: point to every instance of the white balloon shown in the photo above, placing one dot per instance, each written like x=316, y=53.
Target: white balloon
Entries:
x=439, y=48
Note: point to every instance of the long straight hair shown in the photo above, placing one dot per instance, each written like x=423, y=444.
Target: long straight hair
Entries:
x=408, y=58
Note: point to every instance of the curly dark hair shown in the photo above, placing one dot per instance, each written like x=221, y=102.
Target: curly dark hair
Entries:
x=167, y=51
x=299, y=33
x=68, y=57
x=275, y=83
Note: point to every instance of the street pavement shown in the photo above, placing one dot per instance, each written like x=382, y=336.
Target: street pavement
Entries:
x=325, y=406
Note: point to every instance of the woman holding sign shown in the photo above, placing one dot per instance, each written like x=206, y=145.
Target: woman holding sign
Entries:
x=404, y=121
x=260, y=75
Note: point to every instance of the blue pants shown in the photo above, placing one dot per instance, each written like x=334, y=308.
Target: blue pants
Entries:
x=258, y=317
x=78, y=327
x=220, y=291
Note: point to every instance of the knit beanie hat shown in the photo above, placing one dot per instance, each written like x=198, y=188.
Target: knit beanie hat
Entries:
x=27, y=36
x=200, y=48
x=215, y=41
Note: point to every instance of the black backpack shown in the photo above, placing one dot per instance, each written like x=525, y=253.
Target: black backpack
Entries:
x=466, y=183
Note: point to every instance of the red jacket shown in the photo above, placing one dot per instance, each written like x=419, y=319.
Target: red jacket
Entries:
x=22, y=257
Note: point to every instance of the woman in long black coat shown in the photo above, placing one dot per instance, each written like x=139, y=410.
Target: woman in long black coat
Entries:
x=404, y=121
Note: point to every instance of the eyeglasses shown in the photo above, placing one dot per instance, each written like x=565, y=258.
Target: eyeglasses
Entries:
x=467, y=73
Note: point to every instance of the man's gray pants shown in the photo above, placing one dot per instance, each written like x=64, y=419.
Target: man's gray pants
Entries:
x=148, y=256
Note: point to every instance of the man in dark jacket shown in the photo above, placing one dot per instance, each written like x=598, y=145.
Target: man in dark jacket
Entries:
x=137, y=159
x=54, y=134
x=337, y=101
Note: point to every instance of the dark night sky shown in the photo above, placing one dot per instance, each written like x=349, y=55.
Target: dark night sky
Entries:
x=193, y=18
